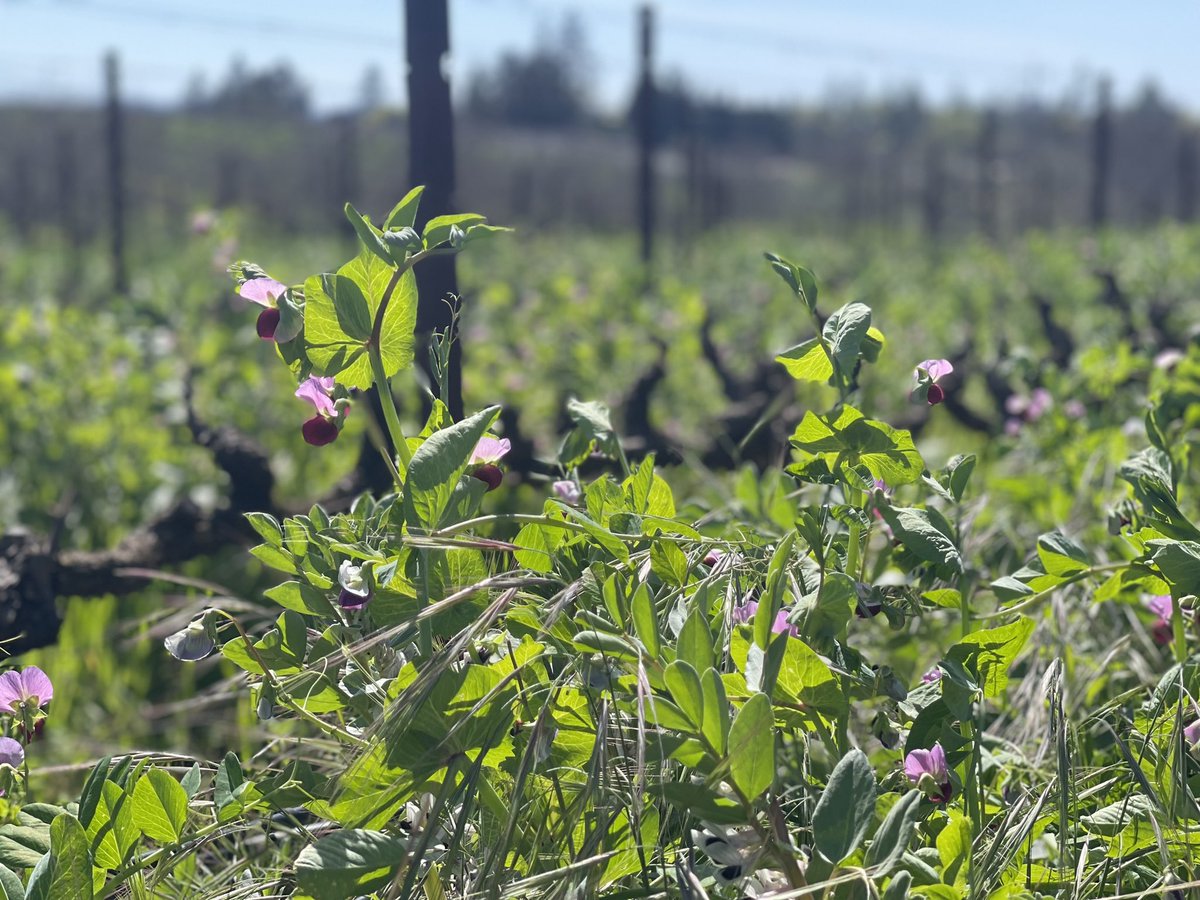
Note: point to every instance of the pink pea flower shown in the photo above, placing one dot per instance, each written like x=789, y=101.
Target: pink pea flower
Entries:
x=1162, y=631
x=781, y=625
x=266, y=293
x=928, y=771
x=487, y=453
x=203, y=221
x=324, y=427
x=568, y=492
x=12, y=754
x=29, y=689
x=1012, y=427
x=1191, y=735
x=1040, y=401
x=1074, y=409
x=1169, y=359
x=355, y=593
x=933, y=675
x=744, y=614
x=928, y=373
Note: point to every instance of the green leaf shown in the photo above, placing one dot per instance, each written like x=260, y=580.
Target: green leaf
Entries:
x=23, y=846
x=10, y=885
x=695, y=642
x=404, y=213
x=954, y=849
x=715, y=723
x=228, y=779
x=348, y=863
x=333, y=351
x=895, y=833
x=301, y=598
x=959, y=469
x=989, y=654
x=799, y=279
x=68, y=872
x=684, y=684
x=436, y=467
x=912, y=528
x=846, y=808
x=850, y=439
x=537, y=543
x=437, y=229
x=112, y=831
x=805, y=677
x=267, y=527
x=1179, y=563
x=844, y=333
x=368, y=236
x=807, y=361
x=350, y=306
x=1061, y=556
x=89, y=796
x=160, y=807
x=645, y=620
x=752, y=747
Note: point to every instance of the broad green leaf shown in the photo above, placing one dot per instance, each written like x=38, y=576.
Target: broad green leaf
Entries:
x=844, y=333
x=301, y=598
x=367, y=235
x=645, y=620
x=799, y=279
x=1061, y=556
x=22, y=846
x=695, y=642
x=684, y=684
x=112, y=832
x=716, y=720
x=752, y=747
x=895, y=833
x=436, y=467
x=989, y=654
x=807, y=361
x=404, y=213
x=353, y=314
x=846, y=808
x=333, y=351
x=954, y=849
x=267, y=527
x=348, y=863
x=538, y=543
x=89, y=796
x=850, y=439
x=10, y=885
x=1179, y=563
x=160, y=807
x=437, y=229
x=68, y=872
x=913, y=528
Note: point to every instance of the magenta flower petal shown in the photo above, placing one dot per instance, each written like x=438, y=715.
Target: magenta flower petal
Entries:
x=490, y=450
x=1191, y=734
x=319, y=431
x=317, y=391
x=781, y=625
x=744, y=613
x=11, y=692
x=1161, y=606
x=11, y=753
x=568, y=492
x=935, y=368
x=931, y=762
x=38, y=688
x=263, y=291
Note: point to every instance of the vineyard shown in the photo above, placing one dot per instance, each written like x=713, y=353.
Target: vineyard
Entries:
x=749, y=501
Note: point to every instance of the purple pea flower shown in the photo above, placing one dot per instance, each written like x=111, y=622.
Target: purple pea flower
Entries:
x=194, y=642
x=484, y=457
x=1191, y=734
x=928, y=771
x=27, y=690
x=355, y=593
x=934, y=674
x=1162, y=631
x=266, y=293
x=324, y=427
x=743, y=614
x=12, y=754
x=568, y=492
x=928, y=373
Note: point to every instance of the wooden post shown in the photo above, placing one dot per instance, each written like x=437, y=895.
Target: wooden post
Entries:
x=114, y=123
x=989, y=218
x=644, y=127
x=431, y=163
x=1185, y=178
x=66, y=186
x=933, y=195
x=1101, y=155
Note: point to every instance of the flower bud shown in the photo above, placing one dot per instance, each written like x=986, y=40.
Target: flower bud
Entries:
x=268, y=321
x=192, y=643
x=319, y=431
x=489, y=474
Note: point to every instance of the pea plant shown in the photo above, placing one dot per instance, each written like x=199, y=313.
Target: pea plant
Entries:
x=621, y=694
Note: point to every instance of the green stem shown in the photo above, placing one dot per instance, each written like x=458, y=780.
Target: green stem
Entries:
x=389, y=405
x=1177, y=629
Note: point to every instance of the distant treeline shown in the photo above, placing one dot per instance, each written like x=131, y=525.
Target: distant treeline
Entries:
x=532, y=151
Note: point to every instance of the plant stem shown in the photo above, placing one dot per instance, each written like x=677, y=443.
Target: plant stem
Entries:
x=1178, y=632
x=389, y=406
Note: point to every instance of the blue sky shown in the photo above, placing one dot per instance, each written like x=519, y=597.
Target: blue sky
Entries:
x=759, y=50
